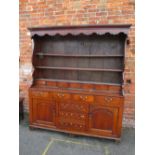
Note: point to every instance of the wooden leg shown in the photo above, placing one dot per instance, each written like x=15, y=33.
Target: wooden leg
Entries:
x=21, y=109
x=117, y=141
x=31, y=128
x=22, y=115
x=72, y=135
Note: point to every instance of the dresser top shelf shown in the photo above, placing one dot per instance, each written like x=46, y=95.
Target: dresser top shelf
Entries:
x=80, y=29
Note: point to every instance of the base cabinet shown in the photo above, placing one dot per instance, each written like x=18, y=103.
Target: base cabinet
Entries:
x=92, y=115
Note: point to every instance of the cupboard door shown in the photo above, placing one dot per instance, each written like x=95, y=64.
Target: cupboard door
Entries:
x=103, y=120
x=43, y=112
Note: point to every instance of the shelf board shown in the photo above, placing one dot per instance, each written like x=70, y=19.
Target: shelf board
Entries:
x=65, y=55
x=77, y=81
x=80, y=69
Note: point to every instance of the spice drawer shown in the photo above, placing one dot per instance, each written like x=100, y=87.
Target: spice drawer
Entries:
x=73, y=106
x=108, y=100
x=43, y=94
x=72, y=116
x=71, y=124
x=59, y=96
x=83, y=97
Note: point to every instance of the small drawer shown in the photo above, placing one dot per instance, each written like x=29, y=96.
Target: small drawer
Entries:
x=72, y=115
x=51, y=83
x=71, y=124
x=40, y=82
x=62, y=96
x=73, y=106
x=84, y=98
x=109, y=100
x=39, y=94
x=75, y=85
x=62, y=84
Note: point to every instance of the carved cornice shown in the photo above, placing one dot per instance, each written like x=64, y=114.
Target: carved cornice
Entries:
x=82, y=29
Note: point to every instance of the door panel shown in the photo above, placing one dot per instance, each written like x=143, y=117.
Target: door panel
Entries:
x=43, y=111
x=103, y=120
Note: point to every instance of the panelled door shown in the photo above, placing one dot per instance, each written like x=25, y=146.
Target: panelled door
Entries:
x=43, y=112
x=103, y=120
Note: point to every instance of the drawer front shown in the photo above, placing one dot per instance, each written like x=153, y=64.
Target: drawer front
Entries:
x=109, y=100
x=73, y=106
x=62, y=96
x=40, y=94
x=71, y=124
x=83, y=98
x=73, y=116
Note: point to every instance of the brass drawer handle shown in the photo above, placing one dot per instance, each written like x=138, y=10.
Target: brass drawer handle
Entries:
x=41, y=94
x=61, y=95
x=108, y=99
x=82, y=116
x=83, y=98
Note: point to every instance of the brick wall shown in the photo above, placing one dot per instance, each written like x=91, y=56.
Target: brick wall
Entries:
x=77, y=12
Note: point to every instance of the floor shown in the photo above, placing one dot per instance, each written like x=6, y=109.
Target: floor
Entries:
x=43, y=142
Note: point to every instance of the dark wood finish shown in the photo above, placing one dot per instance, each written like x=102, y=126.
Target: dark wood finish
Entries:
x=107, y=120
x=78, y=79
x=80, y=29
x=43, y=112
x=21, y=109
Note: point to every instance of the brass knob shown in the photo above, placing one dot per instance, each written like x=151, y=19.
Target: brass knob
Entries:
x=82, y=116
x=84, y=98
x=108, y=99
x=61, y=95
